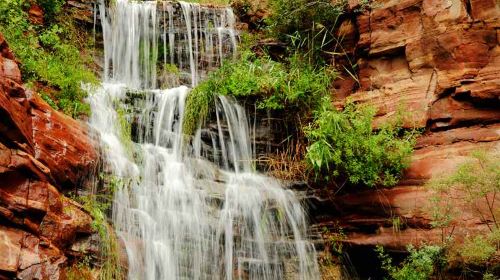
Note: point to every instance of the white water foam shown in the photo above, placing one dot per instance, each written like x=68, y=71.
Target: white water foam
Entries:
x=184, y=216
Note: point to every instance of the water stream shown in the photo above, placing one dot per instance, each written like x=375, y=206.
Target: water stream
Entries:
x=191, y=208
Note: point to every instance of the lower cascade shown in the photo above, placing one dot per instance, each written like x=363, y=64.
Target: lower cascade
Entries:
x=189, y=208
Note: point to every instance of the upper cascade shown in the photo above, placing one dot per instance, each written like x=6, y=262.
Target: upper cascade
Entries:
x=188, y=209
x=149, y=44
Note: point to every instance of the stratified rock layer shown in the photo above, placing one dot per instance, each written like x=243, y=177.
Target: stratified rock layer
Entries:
x=42, y=152
x=436, y=64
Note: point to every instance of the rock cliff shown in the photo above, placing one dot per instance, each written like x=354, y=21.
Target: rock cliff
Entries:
x=42, y=154
x=436, y=64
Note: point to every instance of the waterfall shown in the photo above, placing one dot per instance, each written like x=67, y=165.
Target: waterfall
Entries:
x=191, y=209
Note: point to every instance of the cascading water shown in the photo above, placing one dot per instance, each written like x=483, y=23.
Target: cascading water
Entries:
x=192, y=209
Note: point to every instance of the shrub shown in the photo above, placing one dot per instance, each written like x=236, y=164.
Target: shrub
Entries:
x=476, y=182
x=294, y=85
x=477, y=249
x=302, y=16
x=51, y=7
x=419, y=265
x=345, y=146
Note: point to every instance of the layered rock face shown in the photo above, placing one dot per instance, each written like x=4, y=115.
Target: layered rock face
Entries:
x=42, y=153
x=436, y=64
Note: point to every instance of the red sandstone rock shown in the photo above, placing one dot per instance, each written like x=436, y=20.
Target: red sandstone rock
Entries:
x=39, y=149
x=36, y=14
x=419, y=51
x=25, y=256
x=450, y=112
x=436, y=64
x=16, y=123
x=10, y=249
x=487, y=10
x=62, y=143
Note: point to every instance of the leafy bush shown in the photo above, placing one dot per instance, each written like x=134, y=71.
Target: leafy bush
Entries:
x=345, y=146
x=477, y=183
x=51, y=7
x=478, y=180
x=477, y=249
x=419, y=265
x=291, y=16
x=294, y=85
x=47, y=54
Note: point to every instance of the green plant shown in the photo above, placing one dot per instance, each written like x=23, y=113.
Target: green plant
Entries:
x=489, y=276
x=48, y=54
x=476, y=184
x=397, y=224
x=334, y=239
x=97, y=205
x=51, y=7
x=295, y=85
x=345, y=146
x=305, y=25
x=419, y=265
x=477, y=249
x=478, y=180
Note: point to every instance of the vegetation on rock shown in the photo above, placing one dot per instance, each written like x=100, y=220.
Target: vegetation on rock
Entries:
x=344, y=145
x=294, y=86
x=421, y=263
x=477, y=183
x=50, y=53
x=99, y=205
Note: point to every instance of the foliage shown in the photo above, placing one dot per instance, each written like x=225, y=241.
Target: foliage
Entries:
x=311, y=22
x=48, y=54
x=78, y=271
x=51, y=7
x=419, y=265
x=477, y=249
x=334, y=239
x=344, y=145
x=476, y=182
x=98, y=205
x=295, y=86
x=198, y=105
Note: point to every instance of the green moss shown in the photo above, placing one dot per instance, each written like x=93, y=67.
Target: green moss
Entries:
x=98, y=205
x=198, y=107
x=125, y=126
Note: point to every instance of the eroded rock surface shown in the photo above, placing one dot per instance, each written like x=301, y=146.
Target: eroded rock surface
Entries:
x=436, y=64
x=42, y=152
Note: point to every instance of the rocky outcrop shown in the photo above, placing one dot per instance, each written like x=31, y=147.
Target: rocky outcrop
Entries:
x=436, y=64
x=42, y=153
